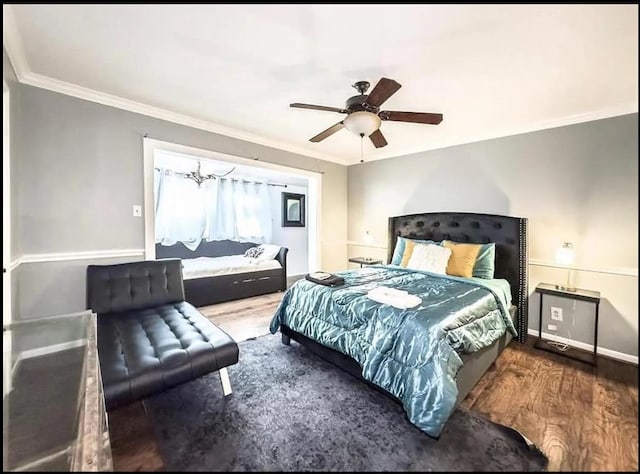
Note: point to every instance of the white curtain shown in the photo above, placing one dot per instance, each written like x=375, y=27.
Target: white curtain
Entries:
x=252, y=211
x=218, y=209
x=179, y=211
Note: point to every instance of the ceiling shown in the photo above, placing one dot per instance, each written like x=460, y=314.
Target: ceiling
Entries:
x=492, y=70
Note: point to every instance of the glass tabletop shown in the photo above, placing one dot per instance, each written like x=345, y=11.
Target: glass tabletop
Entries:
x=44, y=362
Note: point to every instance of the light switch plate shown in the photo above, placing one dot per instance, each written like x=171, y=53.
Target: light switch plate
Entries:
x=137, y=211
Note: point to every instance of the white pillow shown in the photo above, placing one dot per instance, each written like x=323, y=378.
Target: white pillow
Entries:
x=269, y=252
x=429, y=258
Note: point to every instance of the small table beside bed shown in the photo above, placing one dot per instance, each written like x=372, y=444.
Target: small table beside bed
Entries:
x=430, y=356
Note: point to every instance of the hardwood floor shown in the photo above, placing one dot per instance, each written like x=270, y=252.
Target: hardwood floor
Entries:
x=133, y=445
x=583, y=419
x=246, y=318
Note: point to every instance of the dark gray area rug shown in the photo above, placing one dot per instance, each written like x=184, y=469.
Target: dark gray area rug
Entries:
x=292, y=411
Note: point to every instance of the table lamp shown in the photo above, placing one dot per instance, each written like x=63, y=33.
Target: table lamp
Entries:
x=564, y=256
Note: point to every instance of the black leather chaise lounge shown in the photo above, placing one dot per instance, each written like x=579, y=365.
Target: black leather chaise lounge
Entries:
x=149, y=337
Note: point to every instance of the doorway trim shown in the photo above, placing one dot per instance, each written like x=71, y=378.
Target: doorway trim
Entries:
x=150, y=146
x=7, y=267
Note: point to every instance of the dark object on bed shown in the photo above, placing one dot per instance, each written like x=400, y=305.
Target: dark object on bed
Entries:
x=149, y=338
x=333, y=280
x=216, y=289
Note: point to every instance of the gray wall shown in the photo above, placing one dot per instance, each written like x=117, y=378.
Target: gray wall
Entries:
x=80, y=170
x=52, y=288
x=577, y=183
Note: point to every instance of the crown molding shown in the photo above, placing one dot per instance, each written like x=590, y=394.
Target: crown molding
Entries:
x=608, y=112
x=12, y=43
x=67, y=88
x=14, y=47
x=92, y=95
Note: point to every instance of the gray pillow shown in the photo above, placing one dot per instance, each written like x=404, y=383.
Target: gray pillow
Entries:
x=253, y=252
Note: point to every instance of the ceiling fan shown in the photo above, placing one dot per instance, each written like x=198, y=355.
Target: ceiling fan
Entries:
x=364, y=115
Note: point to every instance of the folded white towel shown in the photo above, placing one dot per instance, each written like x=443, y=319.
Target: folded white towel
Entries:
x=386, y=291
x=393, y=297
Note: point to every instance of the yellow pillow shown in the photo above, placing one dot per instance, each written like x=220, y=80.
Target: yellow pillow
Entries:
x=463, y=258
x=408, y=250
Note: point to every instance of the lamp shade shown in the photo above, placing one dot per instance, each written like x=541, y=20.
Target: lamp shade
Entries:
x=565, y=254
x=362, y=123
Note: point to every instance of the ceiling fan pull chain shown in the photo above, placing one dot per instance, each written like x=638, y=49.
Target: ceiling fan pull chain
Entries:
x=361, y=145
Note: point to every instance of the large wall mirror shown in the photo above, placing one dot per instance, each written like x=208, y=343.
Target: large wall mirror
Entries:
x=292, y=210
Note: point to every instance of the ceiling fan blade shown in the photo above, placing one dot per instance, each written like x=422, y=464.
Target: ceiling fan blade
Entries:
x=318, y=107
x=415, y=117
x=378, y=139
x=328, y=132
x=384, y=89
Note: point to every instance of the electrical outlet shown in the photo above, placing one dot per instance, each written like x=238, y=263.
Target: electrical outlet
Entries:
x=552, y=327
x=556, y=313
x=137, y=211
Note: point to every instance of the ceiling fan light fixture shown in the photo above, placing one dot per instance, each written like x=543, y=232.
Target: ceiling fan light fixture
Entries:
x=361, y=119
x=362, y=123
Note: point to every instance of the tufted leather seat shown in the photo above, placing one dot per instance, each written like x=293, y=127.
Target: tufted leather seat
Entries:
x=149, y=338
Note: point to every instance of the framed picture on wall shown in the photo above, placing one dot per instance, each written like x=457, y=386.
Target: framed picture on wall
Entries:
x=292, y=210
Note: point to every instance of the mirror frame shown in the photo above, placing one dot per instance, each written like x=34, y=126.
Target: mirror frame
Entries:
x=286, y=222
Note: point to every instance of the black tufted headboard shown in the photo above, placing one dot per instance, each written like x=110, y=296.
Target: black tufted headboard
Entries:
x=508, y=233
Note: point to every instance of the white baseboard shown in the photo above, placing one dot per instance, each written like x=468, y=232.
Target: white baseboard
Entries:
x=587, y=347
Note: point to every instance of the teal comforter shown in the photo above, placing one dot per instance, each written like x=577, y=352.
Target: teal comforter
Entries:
x=411, y=353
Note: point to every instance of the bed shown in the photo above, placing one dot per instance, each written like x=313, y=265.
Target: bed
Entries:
x=410, y=354
x=216, y=271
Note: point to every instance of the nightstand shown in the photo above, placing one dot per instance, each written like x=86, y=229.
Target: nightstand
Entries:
x=365, y=261
x=580, y=295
